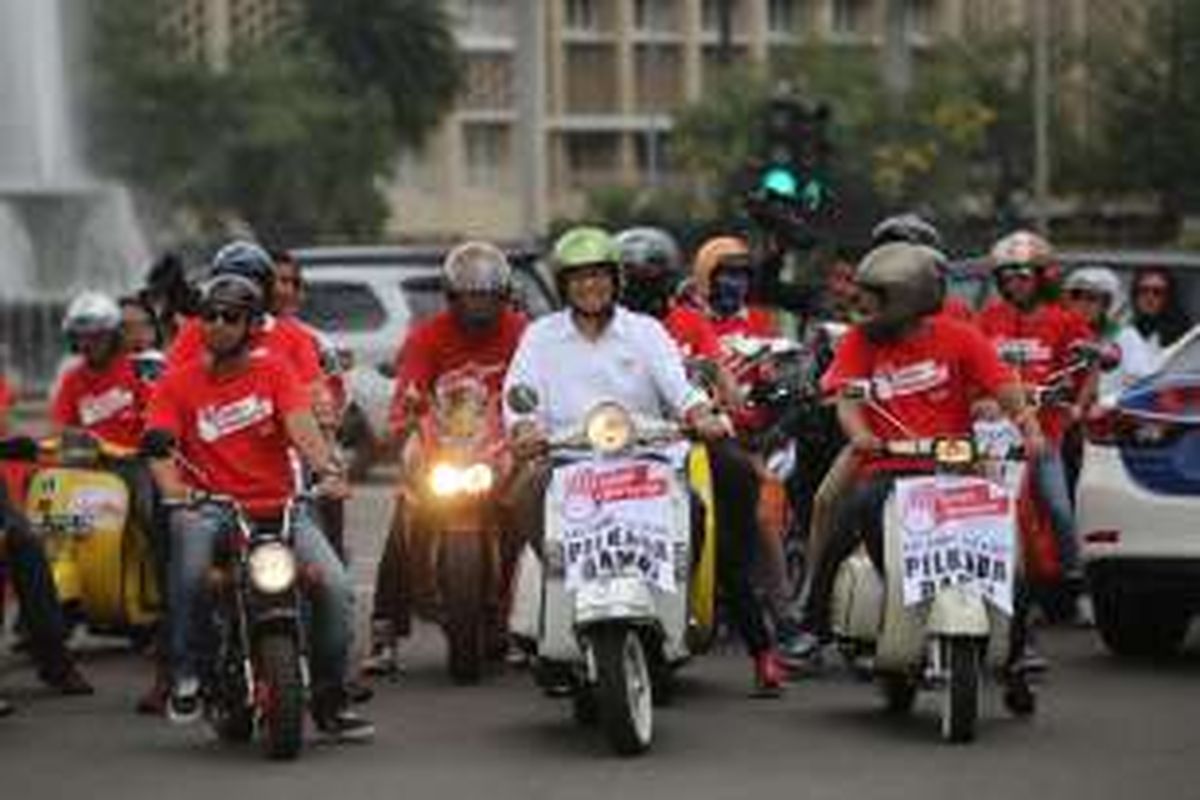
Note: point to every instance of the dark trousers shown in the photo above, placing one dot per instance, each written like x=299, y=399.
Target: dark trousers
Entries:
x=34, y=584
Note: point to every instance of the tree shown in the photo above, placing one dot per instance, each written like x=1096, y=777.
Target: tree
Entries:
x=291, y=139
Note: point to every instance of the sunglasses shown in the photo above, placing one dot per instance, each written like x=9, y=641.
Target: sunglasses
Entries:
x=228, y=316
x=1014, y=272
x=1085, y=295
x=1151, y=289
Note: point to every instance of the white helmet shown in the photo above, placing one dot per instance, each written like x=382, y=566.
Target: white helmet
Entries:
x=1098, y=280
x=476, y=267
x=92, y=312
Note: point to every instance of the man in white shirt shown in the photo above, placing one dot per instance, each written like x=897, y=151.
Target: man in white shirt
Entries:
x=595, y=350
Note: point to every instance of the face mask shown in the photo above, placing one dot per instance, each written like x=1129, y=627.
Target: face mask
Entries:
x=647, y=294
x=728, y=293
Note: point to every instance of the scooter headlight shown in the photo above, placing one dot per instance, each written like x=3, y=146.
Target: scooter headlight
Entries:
x=447, y=480
x=272, y=568
x=609, y=428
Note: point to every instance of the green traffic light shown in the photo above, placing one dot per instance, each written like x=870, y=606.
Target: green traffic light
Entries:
x=781, y=181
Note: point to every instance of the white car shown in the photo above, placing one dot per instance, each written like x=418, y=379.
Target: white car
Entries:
x=1138, y=507
x=364, y=299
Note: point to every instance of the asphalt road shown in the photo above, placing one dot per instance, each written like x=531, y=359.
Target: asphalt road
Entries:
x=1105, y=729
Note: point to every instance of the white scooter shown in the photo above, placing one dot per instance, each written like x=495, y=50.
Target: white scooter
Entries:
x=607, y=604
x=942, y=612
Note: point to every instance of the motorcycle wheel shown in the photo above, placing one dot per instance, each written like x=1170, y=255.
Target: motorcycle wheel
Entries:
x=624, y=692
x=899, y=692
x=960, y=695
x=280, y=694
x=462, y=573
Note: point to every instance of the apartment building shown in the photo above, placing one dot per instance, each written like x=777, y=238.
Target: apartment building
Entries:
x=613, y=72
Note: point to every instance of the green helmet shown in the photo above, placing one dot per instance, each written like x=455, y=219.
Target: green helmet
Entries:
x=583, y=247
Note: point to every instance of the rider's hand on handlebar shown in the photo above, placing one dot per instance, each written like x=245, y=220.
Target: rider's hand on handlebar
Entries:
x=333, y=485
x=866, y=443
x=528, y=441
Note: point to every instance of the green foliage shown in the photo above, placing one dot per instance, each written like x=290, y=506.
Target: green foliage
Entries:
x=293, y=139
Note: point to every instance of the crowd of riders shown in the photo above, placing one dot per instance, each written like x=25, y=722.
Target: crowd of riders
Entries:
x=222, y=390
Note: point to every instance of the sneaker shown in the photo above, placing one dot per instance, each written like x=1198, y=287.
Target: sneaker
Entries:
x=183, y=706
x=343, y=725
x=358, y=692
x=1085, y=614
x=384, y=662
x=67, y=680
x=1031, y=662
x=802, y=648
x=768, y=675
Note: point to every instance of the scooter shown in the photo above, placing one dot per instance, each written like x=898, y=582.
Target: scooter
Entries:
x=608, y=604
x=98, y=552
x=451, y=509
x=942, y=608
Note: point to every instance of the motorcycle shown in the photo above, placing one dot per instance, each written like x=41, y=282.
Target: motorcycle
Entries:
x=256, y=677
x=610, y=604
x=451, y=507
x=942, y=608
x=98, y=552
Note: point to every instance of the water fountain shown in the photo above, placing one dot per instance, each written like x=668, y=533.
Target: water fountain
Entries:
x=61, y=229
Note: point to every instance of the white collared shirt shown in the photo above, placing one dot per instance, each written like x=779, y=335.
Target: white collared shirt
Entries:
x=634, y=362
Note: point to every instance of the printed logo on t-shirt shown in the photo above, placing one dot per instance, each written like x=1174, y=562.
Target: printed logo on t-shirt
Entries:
x=922, y=376
x=216, y=422
x=1017, y=352
x=96, y=408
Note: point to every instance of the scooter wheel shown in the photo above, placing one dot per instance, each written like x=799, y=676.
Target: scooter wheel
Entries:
x=1020, y=699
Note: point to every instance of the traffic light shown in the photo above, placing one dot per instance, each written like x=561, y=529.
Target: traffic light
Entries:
x=796, y=153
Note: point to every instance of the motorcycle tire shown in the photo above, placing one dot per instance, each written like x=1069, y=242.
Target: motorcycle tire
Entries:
x=899, y=693
x=960, y=695
x=280, y=694
x=462, y=574
x=624, y=690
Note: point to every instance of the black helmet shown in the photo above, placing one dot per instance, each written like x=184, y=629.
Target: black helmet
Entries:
x=907, y=278
x=232, y=290
x=908, y=228
x=249, y=260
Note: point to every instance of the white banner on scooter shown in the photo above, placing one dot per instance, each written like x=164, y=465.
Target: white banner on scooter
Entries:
x=616, y=522
x=957, y=531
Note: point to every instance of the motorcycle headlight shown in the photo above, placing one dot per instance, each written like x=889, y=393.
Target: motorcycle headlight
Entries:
x=272, y=568
x=445, y=480
x=477, y=479
x=609, y=428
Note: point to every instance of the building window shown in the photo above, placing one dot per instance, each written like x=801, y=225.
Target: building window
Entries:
x=654, y=15
x=486, y=17
x=581, y=15
x=783, y=17
x=922, y=16
x=592, y=159
x=489, y=82
x=849, y=17
x=486, y=152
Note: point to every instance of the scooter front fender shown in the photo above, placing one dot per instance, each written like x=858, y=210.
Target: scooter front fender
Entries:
x=956, y=611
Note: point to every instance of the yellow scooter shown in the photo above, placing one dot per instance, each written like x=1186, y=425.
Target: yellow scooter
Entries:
x=99, y=554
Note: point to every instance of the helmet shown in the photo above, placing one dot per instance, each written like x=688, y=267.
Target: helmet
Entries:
x=649, y=246
x=476, y=267
x=92, y=312
x=1021, y=248
x=906, y=228
x=584, y=246
x=233, y=290
x=247, y=259
x=907, y=279
x=1098, y=280
x=717, y=252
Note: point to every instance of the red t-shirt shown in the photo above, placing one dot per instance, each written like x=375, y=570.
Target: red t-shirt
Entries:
x=754, y=321
x=110, y=404
x=230, y=429
x=1040, y=340
x=284, y=337
x=693, y=332
x=440, y=345
x=6, y=403
x=927, y=381
x=957, y=308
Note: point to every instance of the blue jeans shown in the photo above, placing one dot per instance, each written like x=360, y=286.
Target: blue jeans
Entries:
x=195, y=534
x=1050, y=483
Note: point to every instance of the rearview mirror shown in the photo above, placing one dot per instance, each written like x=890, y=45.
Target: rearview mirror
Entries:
x=522, y=399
